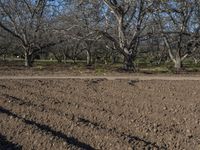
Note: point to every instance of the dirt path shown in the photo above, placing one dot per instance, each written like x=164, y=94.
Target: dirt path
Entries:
x=146, y=78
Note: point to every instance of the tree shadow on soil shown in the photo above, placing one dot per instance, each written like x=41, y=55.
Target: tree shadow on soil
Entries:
x=132, y=140
x=7, y=145
x=70, y=140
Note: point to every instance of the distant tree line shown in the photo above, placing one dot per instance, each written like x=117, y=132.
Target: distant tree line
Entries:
x=101, y=29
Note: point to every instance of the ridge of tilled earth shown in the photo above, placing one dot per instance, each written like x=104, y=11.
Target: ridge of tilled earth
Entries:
x=99, y=114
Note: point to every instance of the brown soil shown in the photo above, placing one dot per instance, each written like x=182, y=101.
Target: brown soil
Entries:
x=99, y=114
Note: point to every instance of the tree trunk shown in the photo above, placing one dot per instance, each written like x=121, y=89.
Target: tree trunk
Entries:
x=4, y=57
x=58, y=58
x=64, y=59
x=178, y=64
x=27, y=59
x=89, y=57
x=74, y=60
x=113, y=58
x=128, y=63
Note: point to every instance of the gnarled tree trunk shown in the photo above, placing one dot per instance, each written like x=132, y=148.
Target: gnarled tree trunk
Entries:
x=89, y=57
x=178, y=61
x=4, y=57
x=128, y=62
x=178, y=65
x=27, y=59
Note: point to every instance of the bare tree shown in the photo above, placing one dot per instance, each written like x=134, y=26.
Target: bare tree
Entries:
x=130, y=18
x=176, y=27
x=27, y=21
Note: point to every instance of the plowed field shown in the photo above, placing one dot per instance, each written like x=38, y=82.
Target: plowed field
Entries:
x=58, y=114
